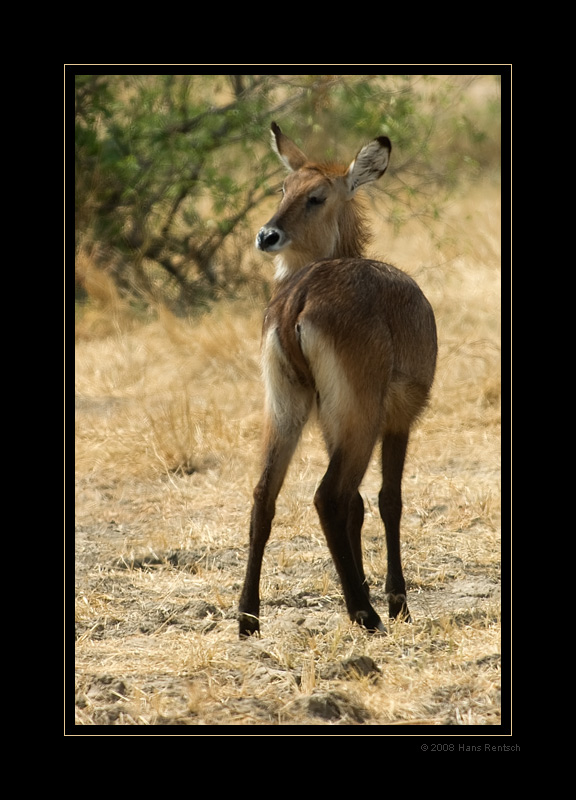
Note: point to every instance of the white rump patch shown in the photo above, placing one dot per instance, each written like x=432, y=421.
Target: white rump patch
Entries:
x=337, y=400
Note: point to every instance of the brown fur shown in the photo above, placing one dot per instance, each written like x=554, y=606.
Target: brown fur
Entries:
x=354, y=337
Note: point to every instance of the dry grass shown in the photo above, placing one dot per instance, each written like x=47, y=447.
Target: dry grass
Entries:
x=167, y=443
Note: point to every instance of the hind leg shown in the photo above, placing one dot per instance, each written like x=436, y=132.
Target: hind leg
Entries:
x=355, y=522
x=394, y=447
x=351, y=421
x=341, y=513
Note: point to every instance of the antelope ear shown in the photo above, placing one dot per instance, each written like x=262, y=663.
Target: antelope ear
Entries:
x=370, y=164
x=291, y=156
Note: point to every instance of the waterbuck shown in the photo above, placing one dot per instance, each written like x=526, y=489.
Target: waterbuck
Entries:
x=357, y=339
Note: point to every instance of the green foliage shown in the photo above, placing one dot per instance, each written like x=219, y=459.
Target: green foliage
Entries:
x=168, y=167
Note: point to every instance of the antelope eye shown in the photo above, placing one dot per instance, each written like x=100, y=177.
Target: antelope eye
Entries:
x=316, y=201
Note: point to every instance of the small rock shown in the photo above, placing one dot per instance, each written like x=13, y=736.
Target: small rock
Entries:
x=359, y=666
x=354, y=667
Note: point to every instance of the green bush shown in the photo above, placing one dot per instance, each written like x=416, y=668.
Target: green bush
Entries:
x=168, y=167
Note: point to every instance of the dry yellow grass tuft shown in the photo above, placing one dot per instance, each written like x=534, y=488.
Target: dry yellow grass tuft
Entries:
x=167, y=445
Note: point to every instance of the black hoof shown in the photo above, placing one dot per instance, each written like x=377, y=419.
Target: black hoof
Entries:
x=369, y=620
x=248, y=625
x=397, y=608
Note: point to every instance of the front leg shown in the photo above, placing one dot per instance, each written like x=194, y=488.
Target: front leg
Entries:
x=260, y=526
x=279, y=450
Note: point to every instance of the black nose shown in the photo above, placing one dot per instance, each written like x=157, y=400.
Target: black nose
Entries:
x=267, y=238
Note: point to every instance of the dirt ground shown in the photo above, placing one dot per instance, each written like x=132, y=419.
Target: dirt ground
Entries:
x=311, y=666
